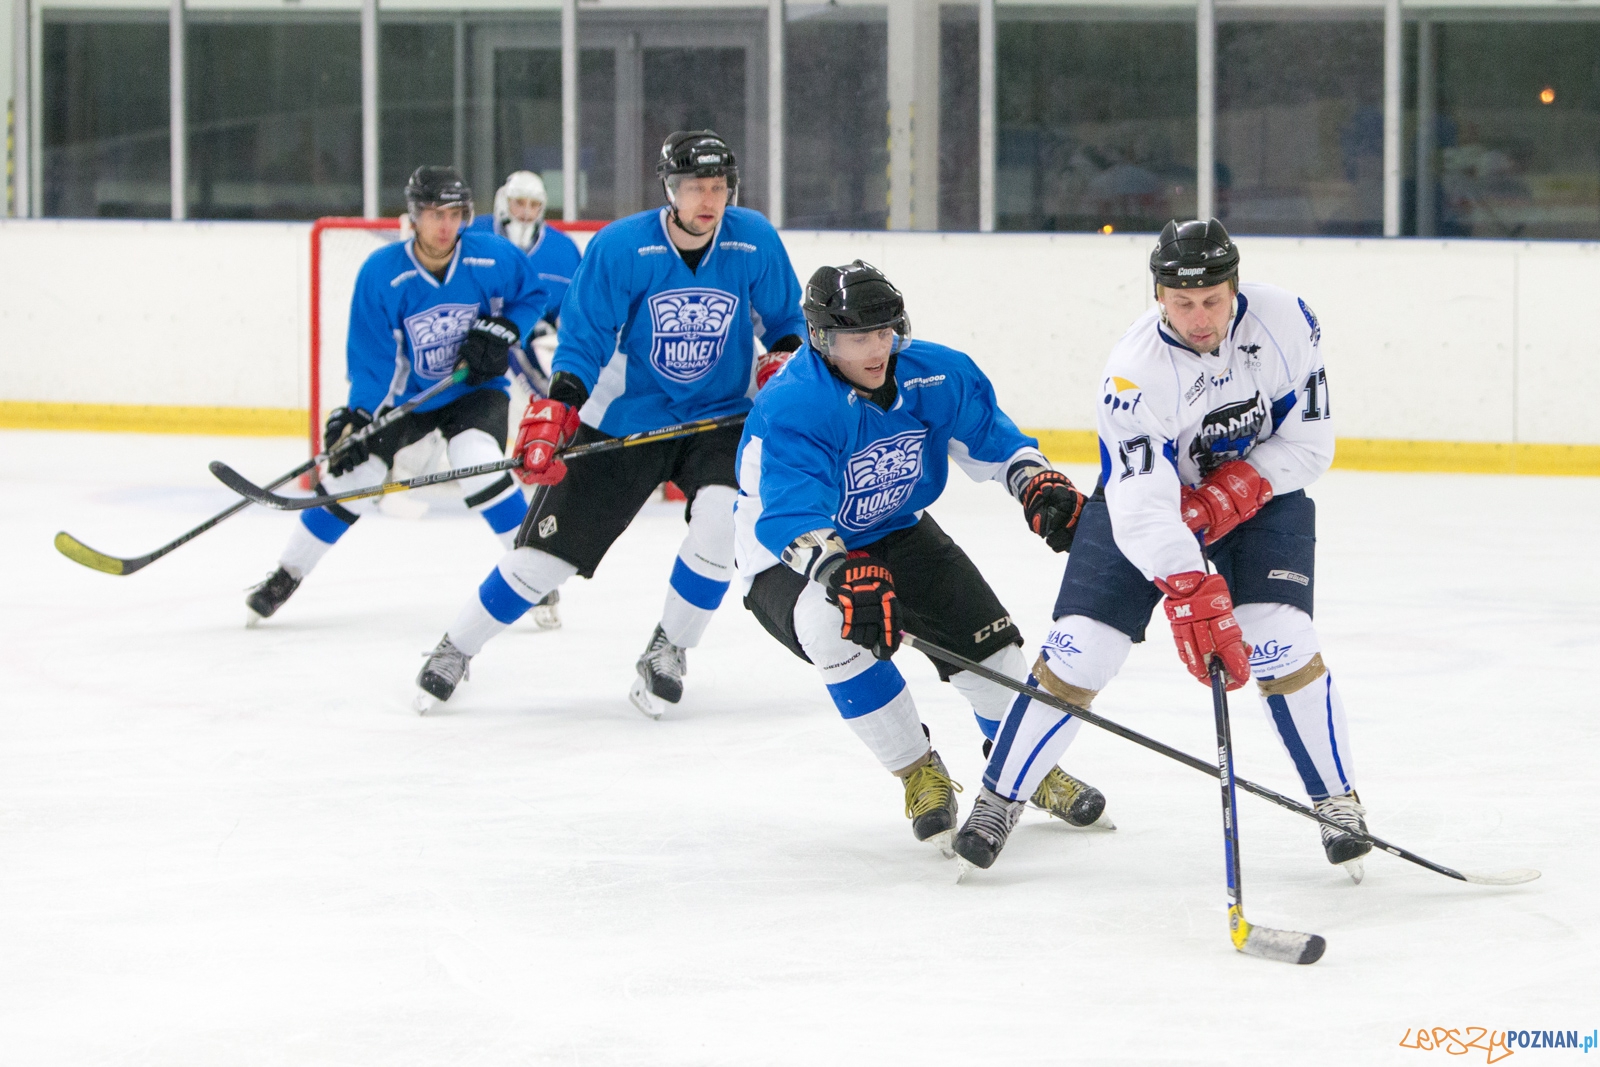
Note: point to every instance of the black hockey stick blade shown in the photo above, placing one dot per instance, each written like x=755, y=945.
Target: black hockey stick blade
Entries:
x=1512, y=876
x=1285, y=946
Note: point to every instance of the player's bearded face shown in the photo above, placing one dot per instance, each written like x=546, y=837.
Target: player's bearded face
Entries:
x=701, y=203
x=437, y=228
x=524, y=209
x=1199, y=317
x=863, y=358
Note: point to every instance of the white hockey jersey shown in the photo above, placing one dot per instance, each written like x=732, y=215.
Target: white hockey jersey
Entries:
x=1169, y=416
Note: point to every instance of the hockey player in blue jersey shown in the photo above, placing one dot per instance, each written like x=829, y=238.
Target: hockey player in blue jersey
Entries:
x=839, y=461
x=421, y=308
x=658, y=328
x=1213, y=418
x=518, y=216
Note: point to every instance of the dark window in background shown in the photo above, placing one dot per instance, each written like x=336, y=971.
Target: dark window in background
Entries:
x=274, y=119
x=416, y=107
x=597, y=133
x=958, y=117
x=527, y=117
x=694, y=89
x=1503, y=162
x=1096, y=122
x=104, y=122
x=1300, y=126
x=836, y=112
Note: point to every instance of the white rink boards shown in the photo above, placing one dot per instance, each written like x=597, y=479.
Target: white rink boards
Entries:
x=225, y=846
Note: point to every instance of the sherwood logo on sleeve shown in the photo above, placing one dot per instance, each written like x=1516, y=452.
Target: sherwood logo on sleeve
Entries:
x=436, y=334
x=879, y=479
x=690, y=330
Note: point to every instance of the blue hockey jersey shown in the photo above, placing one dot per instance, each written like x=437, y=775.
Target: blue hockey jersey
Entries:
x=406, y=325
x=815, y=455
x=554, y=257
x=657, y=343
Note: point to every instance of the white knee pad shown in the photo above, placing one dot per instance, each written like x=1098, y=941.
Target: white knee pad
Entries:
x=1085, y=652
x=990, y=700
x=532, y=573
x=1282, y=638
x=817, y=626
x=470, y=448
x=370, y=471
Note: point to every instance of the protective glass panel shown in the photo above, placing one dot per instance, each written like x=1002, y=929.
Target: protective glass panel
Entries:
x=1511, y=148
x=695, y=89
x=416, y=106
x=1300, y=125
x=527, y=115
x=836, y=114
x=1096, y=121
x=105, y=130
x=274, y=119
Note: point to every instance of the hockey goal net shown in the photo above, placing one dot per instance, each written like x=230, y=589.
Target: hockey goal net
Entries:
x=338, y=248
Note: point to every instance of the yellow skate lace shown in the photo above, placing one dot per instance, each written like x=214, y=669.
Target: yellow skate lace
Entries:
x=928, y=788
x=1058, y=791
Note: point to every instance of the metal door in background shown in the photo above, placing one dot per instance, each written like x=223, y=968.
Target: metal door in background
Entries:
x=641, y=76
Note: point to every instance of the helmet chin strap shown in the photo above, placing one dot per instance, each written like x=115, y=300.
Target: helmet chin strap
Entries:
x=677, y=221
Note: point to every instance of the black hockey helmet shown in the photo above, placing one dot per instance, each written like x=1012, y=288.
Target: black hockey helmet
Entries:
x=1194, y=255
x=696, y=154
x=431, y=186
x=853, y=298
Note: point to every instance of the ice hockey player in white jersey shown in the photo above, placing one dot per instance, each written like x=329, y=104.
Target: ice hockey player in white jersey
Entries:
x=423, y=307
x=1213, y=418
x=658, y=328
x=841, y=457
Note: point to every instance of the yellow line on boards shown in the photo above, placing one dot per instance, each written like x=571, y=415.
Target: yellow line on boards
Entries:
x=1379, y=454
x=1062, y=446
x=152, y=418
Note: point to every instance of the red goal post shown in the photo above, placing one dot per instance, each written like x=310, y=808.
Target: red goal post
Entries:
x=339, y=246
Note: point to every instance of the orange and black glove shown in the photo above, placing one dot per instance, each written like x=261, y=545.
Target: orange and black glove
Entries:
x=864, y=590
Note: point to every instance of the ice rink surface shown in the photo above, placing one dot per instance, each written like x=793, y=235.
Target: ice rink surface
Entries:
x=221, y=846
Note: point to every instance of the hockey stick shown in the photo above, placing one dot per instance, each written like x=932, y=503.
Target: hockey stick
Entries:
x=1285, y=946
x=1514, y=876
x=79, y=552
x=245, y=488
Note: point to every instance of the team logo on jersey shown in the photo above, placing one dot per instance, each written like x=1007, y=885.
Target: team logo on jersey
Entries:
x=1115, y=386
x=880, y=478
x=436, y=334
x=1228, y=432
x=691, y=328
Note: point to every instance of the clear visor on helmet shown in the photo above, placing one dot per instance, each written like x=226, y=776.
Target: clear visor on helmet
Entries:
x=729, y=183
x=415, y=209
x=896, y=335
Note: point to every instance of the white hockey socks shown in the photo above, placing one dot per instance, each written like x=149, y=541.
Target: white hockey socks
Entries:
x=990, y=700
x=1299, y=695
x=518, y=582
x=1082, y=656
x=320, y=528
x=703, y=569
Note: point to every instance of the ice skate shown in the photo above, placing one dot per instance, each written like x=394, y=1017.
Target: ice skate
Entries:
x=984, y=833
x=1345, y=849
x=265, y=599
x=545, y=614
x=931, y=804
x=661, y=670
x=1073, y=802
x=447, y=667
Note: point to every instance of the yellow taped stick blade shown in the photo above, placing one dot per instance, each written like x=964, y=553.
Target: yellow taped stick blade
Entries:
x=78, y=552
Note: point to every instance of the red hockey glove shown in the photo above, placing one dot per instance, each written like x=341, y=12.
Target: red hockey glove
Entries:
x=864, y=590
x=769, y=364
x=1052, y=505
x=547, y=427
x=1201, y=613
x=1228, y=496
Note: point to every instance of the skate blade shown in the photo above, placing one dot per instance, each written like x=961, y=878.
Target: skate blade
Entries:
x=424, y=702
x=1355, y=869
x=963, y=868
x=945, y=842
x=647, y=702
x=546, y=618
x=251, y=619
